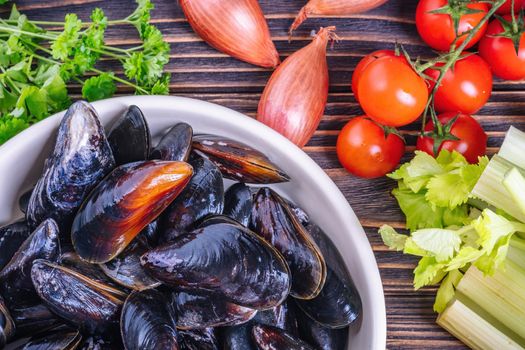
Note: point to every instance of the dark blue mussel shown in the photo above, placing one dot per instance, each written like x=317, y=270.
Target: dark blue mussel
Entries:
x=273, y=338
x=7, y=325
x=198, y=339
x=175, y=145
x=32, y=319
x=11, y=238
x=238, y=202
x=148, y=322
x=15, y=278
x=61, y=339
x=321, y=337
x=129, y=137
x=98, y=342
x=81, y=158
x=23, y=200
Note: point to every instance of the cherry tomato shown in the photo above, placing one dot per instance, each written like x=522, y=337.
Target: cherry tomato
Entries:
x=364, y=151
x=506, y=8
x=465, y=88
x=500, y=53
x=472, y=141
x=437, y=30
x=391, y=92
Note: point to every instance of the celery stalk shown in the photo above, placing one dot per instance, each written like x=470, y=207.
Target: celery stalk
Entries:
x=516, y=252
x=473, y=330
x=513, y=146
x=514, y=182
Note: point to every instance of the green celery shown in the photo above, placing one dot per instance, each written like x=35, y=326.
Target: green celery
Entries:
x=513, y=146
x=514, y=182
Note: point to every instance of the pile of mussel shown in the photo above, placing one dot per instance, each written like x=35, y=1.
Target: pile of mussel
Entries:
x=125, y=245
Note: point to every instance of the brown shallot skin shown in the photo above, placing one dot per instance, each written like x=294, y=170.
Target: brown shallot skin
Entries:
x=295, y=97
x=237, y=28
x=333, y=8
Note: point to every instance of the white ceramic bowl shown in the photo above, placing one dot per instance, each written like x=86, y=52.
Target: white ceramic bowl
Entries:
x=21, y=162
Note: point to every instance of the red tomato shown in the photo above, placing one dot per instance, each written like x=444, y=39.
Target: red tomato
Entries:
x=500, y=54
x=364, y=151
x=437, y=30
x=391, y=92
x=465, y=88
x=506, y=8
x=472, y=141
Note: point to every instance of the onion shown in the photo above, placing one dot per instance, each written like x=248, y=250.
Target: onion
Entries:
x=294, y=99
x=333, y=8
x=235, y=27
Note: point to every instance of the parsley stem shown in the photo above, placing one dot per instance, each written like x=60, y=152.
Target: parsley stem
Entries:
x=104, y=52
x=18, y=31
x=123, y=81
x=116, y=49
x=10, y=81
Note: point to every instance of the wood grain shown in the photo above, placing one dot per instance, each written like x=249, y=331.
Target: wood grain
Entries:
x=201, y=72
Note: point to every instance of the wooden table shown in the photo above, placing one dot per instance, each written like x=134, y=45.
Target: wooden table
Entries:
x=201, y=72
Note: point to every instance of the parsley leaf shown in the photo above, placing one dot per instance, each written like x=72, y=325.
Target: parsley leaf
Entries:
x=99, y=87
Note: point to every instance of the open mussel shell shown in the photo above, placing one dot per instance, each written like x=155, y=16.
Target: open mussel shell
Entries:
x=7, y=325
x=11, y=238
x=57, y=340
x=81, y=158
x=89, y=305
x=238, y=161
x=273, y=338
x=148, y=322
x=197, y=311
x=23, y=200
x=277, y=224
x=338, y=304
x=320, y=337
x=226, y=259
x=204, y=195
x=126, y=269
x=129, y=137
x=32, y=319
x=238, y=202
x=175, y=145
x=15, y=278
x=198, y=339
x=122, y=204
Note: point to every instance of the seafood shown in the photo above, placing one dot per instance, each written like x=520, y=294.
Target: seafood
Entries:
x=33, y=318
x=238, y=161
x=223, y=258
x=11, y=238
x=88, y=304
x=276, y=223
x=216, y=219
x=175, y=145
x=151, y=233
x=81, y=158
x=204, y=195
x=148, y=322
x=7, y=326
x=123, y=204
x=320, y=337
x=96, y=342
x=71, y=260
x=129, y=137
x=57, y=340
x=198, y=339
x=197, y=311
x=15, y=277
x=338, y=304
x=23, y=200
x=273, y=338
x=238, y=202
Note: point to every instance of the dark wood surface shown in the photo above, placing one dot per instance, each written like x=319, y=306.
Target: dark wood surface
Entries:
x=201, y=72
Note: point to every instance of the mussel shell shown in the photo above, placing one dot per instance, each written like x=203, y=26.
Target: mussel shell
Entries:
x=216, y=219
x=275, y=222
x=33, y=319
x=59, y=340
x=273, y=338
x=320, y=337
x=151, y=233
x=148, y=322
x=238, y=161
x=11, y=238
x=81, y=158
x=96, y=342
x=126, y=269
x=338, y=304
x=197, y=311
x=122, y=204
x=15, y=277
x=23, y=200
x=238, y=202
x=223, y=258
x=89, y=305
x=204, y=195
x=198, y=339
x=175, y=145
x=129, y=137
x=7, y=325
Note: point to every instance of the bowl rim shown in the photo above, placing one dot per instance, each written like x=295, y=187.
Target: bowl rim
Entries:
x=290, y=150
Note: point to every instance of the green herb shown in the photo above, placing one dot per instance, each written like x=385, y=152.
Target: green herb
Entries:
x=37, y=63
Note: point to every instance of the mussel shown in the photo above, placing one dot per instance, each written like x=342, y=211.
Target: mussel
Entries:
x=11, y=238
x=338, y=304
x=223, y=258
x=275, y=222
x=197, y=311
x=320, y=337
x=81, y=158
x=97, y=342
x=238, y=161
x=175, y=145
x=273, y=338
x=216, y=219
x=198, y=339
x=148, y=322
x=122, y=204
x=15, y=277
x=7, y=326
x=58, y=340
x=88, y=304
x=238, y=202
x=23, y=200
x=71, y=260
x=129, y=137
x=33, y=319
x=204, y=195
